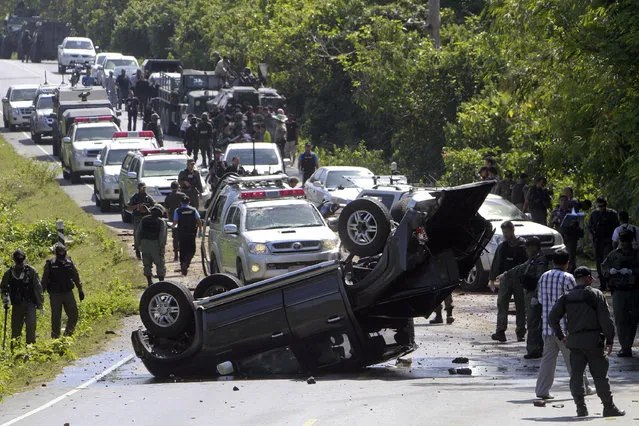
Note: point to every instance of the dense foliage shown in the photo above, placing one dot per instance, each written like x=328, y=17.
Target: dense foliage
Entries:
x=549, y=86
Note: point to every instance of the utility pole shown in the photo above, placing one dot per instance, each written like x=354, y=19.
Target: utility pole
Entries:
x=434, y=22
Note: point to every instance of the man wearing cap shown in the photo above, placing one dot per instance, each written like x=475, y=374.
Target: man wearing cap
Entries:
x=528, y=274
x=59, y=278
x=602, y=224
x=150, y=237
x=279, y=129
x=590, y=336
x=621, y=269
x=172, y=202
x=140, y=203
x=205, y=138
x=307, y=162
x=188, y=221
x=21, y=289
x=191, y=183
x=509, y=253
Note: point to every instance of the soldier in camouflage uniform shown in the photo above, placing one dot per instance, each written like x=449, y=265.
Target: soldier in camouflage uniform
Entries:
x=150, y=237
x=528, y=274
x=621, y=268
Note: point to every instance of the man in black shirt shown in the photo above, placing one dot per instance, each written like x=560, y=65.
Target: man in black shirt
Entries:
x=601, y=226
x=124, y=87
x=132, y=104
x=172, y=202
x=191, y=183
x=538, y=200
x=205, y=138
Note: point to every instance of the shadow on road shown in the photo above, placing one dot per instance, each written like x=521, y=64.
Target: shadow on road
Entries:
x=562, y=419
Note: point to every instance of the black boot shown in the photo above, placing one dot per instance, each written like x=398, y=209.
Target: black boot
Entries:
x=438, y=318
x=499, y=336
x=611, y=410
x=149, y=280
x=582, y=410
x=449, y=315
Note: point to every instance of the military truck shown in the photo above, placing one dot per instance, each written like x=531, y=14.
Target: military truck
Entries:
x=183, y=93
x=245, y=96
x=46, y=37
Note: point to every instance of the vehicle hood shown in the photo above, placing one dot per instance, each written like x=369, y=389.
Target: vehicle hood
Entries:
x=159, y=181
x=90, y=144
x=112, y=170
x=346, y=194
x=44, y=112
x=78, y=52
x=525, y=228
x=20, y=104
x=315, y=233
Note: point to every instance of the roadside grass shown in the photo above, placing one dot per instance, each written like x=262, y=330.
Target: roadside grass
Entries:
x=30, y=203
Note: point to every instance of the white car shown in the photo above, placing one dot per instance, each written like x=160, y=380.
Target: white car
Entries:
x=109, y=163
x=41, y=120
x=75, y=50
x=97, y=69
x=116, y=64
x=267, y=160
x=498, y=210
x=17, y=105
x=87, y=137
x=338, y=184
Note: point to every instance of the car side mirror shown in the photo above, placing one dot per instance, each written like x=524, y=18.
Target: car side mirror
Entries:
x=97, y=163
x=317, y=183
x=96, y=48
x=5, y=100
x=100, y=67
x=132, y=175
x=66, y=139
x=230, y=229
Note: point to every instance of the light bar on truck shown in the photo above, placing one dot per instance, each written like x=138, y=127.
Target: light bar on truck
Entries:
x=142, y=134
x=93, y=119
x=162, y=151
x=275, y=193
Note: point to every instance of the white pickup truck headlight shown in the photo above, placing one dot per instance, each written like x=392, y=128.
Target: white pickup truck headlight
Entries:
x=111, y=178
x=329, y=244
x=258, y=248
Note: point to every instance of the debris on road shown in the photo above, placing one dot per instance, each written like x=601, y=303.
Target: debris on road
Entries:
x=311, y=380
x=465, y=371
x=558, y=406
x=235, y=388
x=539, y=403
x=460, y=360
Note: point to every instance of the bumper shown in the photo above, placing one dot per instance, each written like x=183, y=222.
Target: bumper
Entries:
x=260, y=267
x=110, y=192
x=42, y=128
x=84, y=165
x=67, y=61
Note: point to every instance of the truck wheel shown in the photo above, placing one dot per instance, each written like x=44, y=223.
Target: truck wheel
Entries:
x=166, y=309
x=240, y=272
x=36, y=137
x=6, y=123
x=76, y=177
x=364, y=226
x=215, y=284
x=65, y=172
x=399, y=209
x=477, y=278
x=126, y=217
x=56, y=148
x=105, y=206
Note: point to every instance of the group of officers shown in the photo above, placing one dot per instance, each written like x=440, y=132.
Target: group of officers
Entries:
x=543, y=296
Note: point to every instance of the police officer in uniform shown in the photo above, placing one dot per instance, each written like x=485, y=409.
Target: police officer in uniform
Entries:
x=191, y=183
x=191, y=139
x=510, y=253
x=140, y=203
x=150, y=237
x=172, y=202
x=590, y=329
x=205, y=138
x=602, y=224
x=307, y=162
x=528, y=274
x=20, y=287
x=59, y=278
x=621, y=268
x=188, y=221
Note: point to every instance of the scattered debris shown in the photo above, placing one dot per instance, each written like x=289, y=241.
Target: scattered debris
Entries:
x=558, y=406
x=44, y=385
x=404, y=362
x=311, y=380
x=460, y=360
x=110, y=332
x=452, y=371
x=539, y=403
x=465, y=371
x=235, y=388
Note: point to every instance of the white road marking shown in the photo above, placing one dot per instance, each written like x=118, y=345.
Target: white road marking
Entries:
x=72, y=391
x=26, y=69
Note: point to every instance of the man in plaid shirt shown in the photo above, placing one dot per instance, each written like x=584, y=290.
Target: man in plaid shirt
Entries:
x=552, y=285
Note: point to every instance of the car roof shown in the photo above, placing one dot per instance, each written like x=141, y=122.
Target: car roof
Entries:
x=131, y=143
x=87, y=112
x=133, y=58
x=24, y=86
x=96, y=124
x=79, y=39
x=110, y=54
x=249, y=145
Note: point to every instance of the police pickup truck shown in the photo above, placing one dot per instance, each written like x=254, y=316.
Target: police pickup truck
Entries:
x=87, y=137
x=109, y=163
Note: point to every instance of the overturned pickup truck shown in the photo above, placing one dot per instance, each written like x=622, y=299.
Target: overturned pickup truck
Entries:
x=332, y=316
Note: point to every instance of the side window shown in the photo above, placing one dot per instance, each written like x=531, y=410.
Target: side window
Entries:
x=125, y=164
x=72, y=133
x=230, y=216
x=321, y=176
x=216, y=217
x=103, y=154
x=136, y=167
x=236, y=218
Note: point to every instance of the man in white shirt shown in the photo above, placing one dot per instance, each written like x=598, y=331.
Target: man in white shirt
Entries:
x=624, y=219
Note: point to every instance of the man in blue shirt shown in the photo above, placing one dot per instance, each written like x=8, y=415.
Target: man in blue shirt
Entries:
x=189, y=225
x=307, y=162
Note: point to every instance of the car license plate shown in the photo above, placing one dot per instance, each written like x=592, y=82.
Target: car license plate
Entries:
x=295, y=268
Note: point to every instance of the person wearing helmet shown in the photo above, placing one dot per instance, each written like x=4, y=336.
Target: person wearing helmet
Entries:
x=21, y=289
x=59, y=278
x=155, y=126
x=205, y=139
x=150, y=237
x=191, y=139
x=187, y=219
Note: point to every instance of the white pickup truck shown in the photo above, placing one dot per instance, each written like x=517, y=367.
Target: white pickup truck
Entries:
x=75, y=50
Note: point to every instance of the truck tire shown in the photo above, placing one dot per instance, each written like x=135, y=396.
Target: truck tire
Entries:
x=166, y=309
x=399, y=209
x=75, y=177
x=215, y=284
x=364, y=227
x=56, y=148
x=477, y=278
x=126, y=217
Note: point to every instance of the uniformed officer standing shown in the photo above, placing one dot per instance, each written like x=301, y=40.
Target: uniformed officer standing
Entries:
x=21, y=289
x=150, y=237
x=307, y=162
x=510, y=253
x=589, y=329
x=59, y=278
x=621, y=268
x=528, y=274
x=140, y=203
x=205, y=138
x=188, y=222
x=602, y=224
x=191, y=139
x=191, y=183
x=172, y=202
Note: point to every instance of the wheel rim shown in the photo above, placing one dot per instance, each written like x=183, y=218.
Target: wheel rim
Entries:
x=362, y=227
x=472, y=275
x=164, y=310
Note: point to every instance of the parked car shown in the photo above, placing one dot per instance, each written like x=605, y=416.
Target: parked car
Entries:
x=260, y=228
x=337, y=184
x=75, y=50
x=41, y=122
x=17, y=105
x=263, y=157
x=97, y=69
x=109, y=163
x=334, y=315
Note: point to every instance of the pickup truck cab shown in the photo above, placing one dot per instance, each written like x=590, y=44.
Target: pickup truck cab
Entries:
x=87, y=137
x=109, y=163
x=267, y=160
x=75, y=50
x=17, y=105
x=97, y=69
x=260, y=228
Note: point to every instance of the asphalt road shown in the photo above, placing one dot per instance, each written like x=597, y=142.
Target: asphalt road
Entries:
x=114, y=388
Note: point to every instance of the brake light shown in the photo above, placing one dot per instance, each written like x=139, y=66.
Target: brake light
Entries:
x=162, y=151
x=120, y=135
x=82, y=120
x=295, y=192
x=144, y=134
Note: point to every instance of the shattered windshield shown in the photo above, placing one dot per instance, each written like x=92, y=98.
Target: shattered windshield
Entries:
x=282, y=216
x=500, y=209
x=349, y=179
